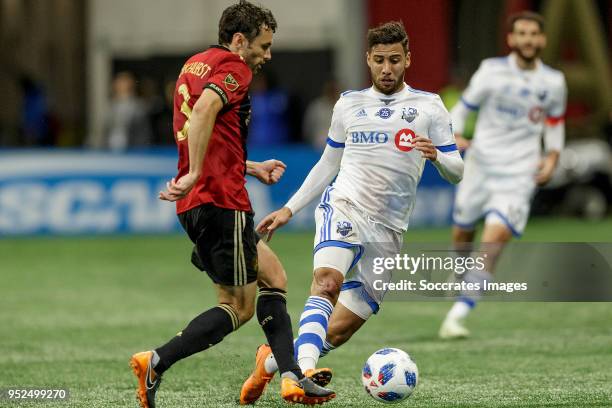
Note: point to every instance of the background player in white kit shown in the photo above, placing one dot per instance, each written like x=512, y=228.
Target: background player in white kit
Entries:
x=378, y=142
x=518, y=99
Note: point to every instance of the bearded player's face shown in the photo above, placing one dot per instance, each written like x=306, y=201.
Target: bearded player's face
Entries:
x=526, y=40
x=258, y=52
x=387, y=63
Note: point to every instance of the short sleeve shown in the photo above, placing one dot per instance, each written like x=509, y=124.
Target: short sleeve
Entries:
x=230, y=80
x=558, y=102
x=440, y=128
x=336, y=137
x=477, y=90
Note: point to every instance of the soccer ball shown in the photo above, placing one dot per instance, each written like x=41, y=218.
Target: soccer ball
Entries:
x=389, y=375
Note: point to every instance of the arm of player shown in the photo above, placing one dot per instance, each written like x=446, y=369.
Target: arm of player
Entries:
x=202, y=121
x=268, y=172
x=554, y=140
x=319, y=177
x=554, y=132
x=448, y=164
x=476, y=92
x=459, y=114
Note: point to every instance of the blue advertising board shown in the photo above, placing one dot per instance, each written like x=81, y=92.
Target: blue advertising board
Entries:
x=65, y=192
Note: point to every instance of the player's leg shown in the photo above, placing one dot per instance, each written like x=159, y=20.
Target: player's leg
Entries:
x=274, y=320
x=472, y=195
x=342, y=325
x=325, y=289
x=463, y=237
x=452, y=326
x=234, y=308
x=316, y=314
x=331, y=264
x=272, y=310
x=350, y=313
x=228, y=258
x=498, y=231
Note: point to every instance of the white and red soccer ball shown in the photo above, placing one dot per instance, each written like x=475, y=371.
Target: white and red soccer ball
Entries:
x=389, y=375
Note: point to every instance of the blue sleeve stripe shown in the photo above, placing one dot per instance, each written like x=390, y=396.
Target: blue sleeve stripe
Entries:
x=469, y=105
x=447, y=148
x=333, y=143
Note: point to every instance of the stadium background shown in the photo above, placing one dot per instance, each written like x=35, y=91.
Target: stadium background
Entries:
x=94, y=267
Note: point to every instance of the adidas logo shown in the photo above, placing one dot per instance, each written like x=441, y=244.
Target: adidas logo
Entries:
x=362, y=114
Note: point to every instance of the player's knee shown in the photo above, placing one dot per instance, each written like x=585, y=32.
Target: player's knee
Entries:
x=327, y=283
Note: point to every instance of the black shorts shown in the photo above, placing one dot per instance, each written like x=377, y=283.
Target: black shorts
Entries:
x=225, y=243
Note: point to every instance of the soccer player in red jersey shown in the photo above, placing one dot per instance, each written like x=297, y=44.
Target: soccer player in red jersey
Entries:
x=211, y=115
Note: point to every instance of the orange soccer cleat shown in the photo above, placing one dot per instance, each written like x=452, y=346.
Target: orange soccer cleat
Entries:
x=148, y=380
x=305, y=392
x=320, y=376
x=255, y=385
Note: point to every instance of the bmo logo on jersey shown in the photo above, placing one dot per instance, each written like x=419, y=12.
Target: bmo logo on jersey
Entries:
x=369, y=137
x=403, y=140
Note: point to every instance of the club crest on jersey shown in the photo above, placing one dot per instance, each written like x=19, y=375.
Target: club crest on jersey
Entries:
x=230, y=83
x=361, y=114
x=344, y=228
x=542, y=95
x=409, y=114
x=384, y=113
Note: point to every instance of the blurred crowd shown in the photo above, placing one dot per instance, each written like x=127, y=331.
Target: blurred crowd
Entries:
x=140, y=113
x=140, y=110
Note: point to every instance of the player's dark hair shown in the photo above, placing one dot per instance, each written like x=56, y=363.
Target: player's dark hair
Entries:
x=525, y=15
x=388, y=33
x=246, y=18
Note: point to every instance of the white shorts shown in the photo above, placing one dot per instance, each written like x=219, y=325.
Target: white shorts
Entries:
x=499, y=199
x=341, y=226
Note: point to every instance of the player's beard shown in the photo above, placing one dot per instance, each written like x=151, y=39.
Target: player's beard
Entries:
x=528, y=58
x=384, y=88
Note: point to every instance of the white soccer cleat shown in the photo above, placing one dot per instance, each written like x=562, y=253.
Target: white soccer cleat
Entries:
x=453, y=329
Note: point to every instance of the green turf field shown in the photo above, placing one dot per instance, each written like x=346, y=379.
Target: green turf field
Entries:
x=73, y=310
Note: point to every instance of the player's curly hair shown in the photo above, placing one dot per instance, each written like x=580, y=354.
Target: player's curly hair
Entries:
x=246, y=18
x=388, y=33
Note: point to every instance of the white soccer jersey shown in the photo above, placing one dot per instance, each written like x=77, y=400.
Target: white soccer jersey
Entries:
x=513, y=105
x=380, y=169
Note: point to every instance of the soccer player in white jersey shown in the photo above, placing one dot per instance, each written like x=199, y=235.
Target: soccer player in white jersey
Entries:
x=519, y=99
x=377, y=145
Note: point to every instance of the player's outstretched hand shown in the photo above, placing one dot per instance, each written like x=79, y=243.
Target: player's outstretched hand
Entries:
x=269, y=171
x=273, y=221
x=426, y=147
x=177, y=189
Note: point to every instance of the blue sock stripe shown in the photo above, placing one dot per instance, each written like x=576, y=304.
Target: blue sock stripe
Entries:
x=315, y=318
x=320, y=301
x=327, y=347
x=307, y=307
x=469, y=301
x=325, y=308
x=308, y=338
